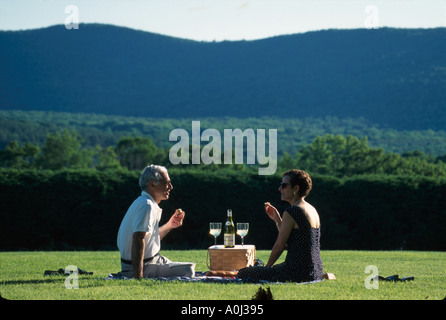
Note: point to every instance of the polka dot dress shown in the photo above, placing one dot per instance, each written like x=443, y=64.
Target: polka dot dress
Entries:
x=303, y=261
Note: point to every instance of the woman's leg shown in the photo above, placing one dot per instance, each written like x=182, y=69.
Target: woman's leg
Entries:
x=275, y=273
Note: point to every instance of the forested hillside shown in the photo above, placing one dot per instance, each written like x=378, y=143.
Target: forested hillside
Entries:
x=293, y=133
x=390, y=77
x=331, y=155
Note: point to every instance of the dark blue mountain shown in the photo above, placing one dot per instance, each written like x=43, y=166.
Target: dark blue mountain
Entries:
x=392, y=77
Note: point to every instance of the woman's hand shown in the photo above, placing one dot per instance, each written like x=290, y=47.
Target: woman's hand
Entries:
x=272, y=212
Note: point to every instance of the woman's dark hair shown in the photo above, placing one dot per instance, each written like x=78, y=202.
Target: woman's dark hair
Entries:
x=300, y=178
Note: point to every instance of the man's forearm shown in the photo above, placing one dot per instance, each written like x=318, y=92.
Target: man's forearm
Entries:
x=138, y=254
x=164, y=230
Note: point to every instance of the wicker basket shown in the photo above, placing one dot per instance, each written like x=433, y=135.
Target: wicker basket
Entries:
x=229, y=259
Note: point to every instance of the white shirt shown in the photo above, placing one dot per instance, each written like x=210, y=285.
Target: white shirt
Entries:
x=142, y=216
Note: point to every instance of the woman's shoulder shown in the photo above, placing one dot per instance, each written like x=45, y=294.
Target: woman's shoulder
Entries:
x=304, y=213
x=295, y=211
x=302, y=207
x=294, y=208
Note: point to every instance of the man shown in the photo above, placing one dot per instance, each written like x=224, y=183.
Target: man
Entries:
x=139, y=235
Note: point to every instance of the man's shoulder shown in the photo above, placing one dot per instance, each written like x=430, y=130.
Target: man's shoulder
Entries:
x=143, y=201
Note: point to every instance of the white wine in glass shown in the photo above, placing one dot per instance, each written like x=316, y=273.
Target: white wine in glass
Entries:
x=242, y=230
x=215, y=230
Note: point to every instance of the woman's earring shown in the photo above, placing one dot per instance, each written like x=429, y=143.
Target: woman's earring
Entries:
x=294, y=192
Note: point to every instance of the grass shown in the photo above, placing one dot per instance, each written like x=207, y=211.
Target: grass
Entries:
x=21, y=278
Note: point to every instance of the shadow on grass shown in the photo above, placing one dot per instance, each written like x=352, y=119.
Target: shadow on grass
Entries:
x=56, y=279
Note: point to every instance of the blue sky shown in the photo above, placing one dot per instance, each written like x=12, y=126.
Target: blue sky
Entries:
x=217, y=20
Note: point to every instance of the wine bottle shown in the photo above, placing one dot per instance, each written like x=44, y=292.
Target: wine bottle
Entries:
x=229, y=240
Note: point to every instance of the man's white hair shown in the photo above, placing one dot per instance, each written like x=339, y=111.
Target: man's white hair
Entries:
x=151, y=173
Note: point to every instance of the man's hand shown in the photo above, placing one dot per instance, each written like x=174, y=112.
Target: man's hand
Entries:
x=175, y=221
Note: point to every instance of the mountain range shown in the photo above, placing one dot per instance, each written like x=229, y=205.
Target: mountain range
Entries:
x=391, y=77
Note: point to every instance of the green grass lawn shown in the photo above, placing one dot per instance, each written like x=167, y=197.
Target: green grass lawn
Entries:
x=21, y=278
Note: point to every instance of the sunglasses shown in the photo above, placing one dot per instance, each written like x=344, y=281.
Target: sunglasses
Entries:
x=284, y=184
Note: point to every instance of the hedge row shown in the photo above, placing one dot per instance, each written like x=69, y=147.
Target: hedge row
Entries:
x=67, y=210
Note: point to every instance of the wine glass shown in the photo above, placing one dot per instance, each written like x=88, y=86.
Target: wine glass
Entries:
x=242, y=230
x=215, y=230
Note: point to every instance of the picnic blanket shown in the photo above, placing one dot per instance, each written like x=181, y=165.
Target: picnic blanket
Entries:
x=201, y=277
x=210, y=277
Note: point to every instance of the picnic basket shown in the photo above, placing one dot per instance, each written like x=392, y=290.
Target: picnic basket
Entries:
x=230, y=259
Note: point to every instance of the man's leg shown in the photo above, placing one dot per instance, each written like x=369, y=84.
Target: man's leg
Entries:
x=162, y=267
x=126, y=270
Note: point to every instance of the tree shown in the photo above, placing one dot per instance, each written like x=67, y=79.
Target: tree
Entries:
x=287, y=162
x=342, y=156
x=18, y=157
x=134, y=153
x=106, y=158
x=347, y=156
x=63, y=150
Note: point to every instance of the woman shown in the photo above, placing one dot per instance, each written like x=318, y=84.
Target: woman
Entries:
x=299, y=231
